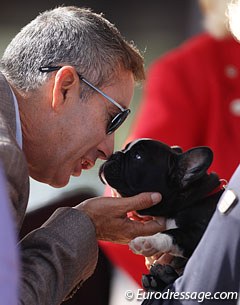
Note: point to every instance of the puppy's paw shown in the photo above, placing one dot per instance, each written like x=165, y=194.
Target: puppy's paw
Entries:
x=159, y=277
x=143, y=246
x=149, y=245
x=165, y=273
x=150, y=283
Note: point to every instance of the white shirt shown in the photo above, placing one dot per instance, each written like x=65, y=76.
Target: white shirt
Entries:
x=18, y=122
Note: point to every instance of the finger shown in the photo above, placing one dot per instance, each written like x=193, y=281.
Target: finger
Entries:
x=158, y=258
x=142, y=201
x=157, y=255
x=147, y=228
x=148, y=262
x=165, y=259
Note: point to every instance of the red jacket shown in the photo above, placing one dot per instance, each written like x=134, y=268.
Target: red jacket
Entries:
x=191, y=98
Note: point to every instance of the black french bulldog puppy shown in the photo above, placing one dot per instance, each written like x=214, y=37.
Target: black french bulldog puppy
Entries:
x=189, y=197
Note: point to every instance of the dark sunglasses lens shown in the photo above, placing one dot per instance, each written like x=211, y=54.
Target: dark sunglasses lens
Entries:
x=117, y=121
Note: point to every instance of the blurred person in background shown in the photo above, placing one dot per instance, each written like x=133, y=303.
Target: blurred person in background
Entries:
x=191, y=98
x=192, y=94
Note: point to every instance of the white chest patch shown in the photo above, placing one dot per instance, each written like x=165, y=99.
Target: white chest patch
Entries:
x=171, y=224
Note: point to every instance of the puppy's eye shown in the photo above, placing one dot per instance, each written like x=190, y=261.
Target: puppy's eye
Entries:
x=137, y=156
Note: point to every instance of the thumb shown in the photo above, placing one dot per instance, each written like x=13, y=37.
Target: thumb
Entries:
x=142, y=201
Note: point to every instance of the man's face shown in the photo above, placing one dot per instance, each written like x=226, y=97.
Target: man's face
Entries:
x=78, y=136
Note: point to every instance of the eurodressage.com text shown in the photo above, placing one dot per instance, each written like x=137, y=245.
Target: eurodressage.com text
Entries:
x=168, y=295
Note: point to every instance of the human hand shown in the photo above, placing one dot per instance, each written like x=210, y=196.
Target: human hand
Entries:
x=158, y=258
x=109, y=216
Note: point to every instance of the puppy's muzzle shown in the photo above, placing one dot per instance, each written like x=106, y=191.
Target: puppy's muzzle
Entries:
x=111, y=169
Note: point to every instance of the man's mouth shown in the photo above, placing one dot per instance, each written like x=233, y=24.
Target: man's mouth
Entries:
x=87, y=164
x=83, y=165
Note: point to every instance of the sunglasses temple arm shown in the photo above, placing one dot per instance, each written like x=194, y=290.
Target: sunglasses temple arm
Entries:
x=102, y=93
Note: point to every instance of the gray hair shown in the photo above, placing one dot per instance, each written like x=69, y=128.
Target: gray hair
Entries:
x=69, y=36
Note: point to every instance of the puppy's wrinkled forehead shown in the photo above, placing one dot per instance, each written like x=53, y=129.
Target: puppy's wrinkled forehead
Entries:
x=145, y=166
x=134, y=143
x=148, y=147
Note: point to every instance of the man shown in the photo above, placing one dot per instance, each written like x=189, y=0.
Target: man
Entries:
x=55, y=122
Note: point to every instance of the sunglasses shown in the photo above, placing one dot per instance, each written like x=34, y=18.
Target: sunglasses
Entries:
x=117, y=120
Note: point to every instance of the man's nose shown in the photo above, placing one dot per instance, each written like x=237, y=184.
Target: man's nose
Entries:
x=106, y=147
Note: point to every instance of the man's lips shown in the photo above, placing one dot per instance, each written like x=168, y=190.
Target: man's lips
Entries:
x=83, y=165
x=87, y=164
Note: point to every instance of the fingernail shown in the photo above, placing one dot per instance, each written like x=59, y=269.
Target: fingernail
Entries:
x=156, y=198
x=161, y=221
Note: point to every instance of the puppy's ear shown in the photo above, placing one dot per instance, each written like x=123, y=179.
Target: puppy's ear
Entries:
x=193, y=164
x=177, y=149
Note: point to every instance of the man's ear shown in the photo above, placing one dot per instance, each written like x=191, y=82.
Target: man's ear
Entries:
x=65, y=84
x=193, y=164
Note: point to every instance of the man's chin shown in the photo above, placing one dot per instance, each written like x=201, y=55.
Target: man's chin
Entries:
x=56, y=181
x=59, y=183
